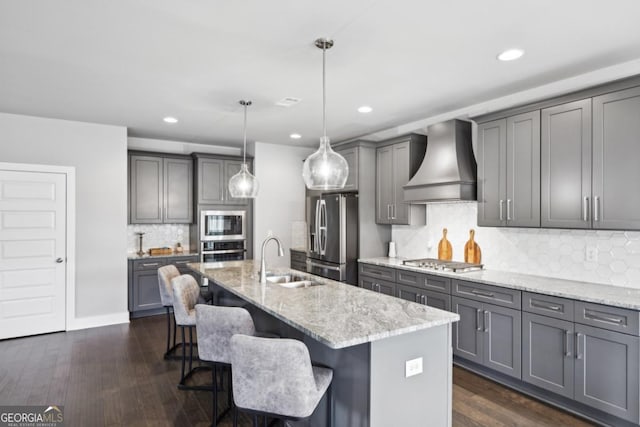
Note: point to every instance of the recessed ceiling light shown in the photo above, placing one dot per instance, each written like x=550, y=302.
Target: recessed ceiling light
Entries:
x=510, y=54
x=365, y=109
x=295, y=136
x=171, y=120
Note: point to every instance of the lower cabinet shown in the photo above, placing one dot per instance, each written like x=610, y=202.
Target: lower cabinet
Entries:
x=144, y=291
x=423, y=296
x=377, y=285
x=298, y=260
x=489, y=335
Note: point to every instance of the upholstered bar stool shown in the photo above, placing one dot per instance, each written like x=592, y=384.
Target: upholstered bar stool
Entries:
x=185, y=297
x=165, y=275
x=275, y=378
x=215, y=325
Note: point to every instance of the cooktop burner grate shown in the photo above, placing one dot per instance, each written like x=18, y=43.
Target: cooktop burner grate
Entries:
x=438, y=264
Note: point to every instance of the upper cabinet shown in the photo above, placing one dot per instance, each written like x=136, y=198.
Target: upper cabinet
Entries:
x=351, y=156
x=509, y=171
x=212, y=179
x=160, y=190
x=396, y=163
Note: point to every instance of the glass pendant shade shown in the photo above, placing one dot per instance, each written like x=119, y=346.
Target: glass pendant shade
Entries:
x=243, y=184
x=325, y=169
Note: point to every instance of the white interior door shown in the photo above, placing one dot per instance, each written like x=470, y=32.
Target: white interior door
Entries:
x=32, y=253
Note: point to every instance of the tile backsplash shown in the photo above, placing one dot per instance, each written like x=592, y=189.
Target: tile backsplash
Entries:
x=157, y=236
x=614, y=256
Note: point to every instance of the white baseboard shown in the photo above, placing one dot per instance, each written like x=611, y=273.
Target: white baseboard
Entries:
x=97, y=321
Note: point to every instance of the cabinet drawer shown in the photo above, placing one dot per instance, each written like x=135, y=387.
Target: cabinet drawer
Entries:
x=427, y=281
x=376, y=285
x=493, y=294
x=149, y=264
x=384, y=273
x=182, y=261
x=560, y=308
x=607, y=317
x=298, y=256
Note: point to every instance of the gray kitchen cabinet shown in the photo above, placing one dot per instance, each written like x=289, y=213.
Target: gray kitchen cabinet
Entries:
x=298, y=260
x=566, y=165
x=160, y=190
x=377, y=285
x=548, y=353
x=489, y=335
x=509, y=171
x=396, y=163
x=146, y=294
x=616, y=150
x=606, y=371
x=212, y=179
x=351, y=156
x=423, y=296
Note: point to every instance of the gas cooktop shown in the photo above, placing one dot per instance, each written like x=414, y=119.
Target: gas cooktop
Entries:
x=438, y=264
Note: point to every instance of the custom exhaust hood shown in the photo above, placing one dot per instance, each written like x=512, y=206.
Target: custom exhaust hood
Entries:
x=448, y=171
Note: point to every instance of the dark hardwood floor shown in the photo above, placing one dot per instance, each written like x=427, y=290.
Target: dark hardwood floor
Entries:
x=115, y=376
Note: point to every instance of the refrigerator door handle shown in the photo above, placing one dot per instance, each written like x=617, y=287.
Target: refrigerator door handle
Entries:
x=328, y=267
x=323, y=227
x=316, y=246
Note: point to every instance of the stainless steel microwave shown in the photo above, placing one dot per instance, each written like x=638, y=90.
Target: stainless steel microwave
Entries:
x=223, y=225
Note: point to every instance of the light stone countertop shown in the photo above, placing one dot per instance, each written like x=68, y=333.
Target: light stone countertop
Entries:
x=584, y=291
x=335, y=314
x=172, y=255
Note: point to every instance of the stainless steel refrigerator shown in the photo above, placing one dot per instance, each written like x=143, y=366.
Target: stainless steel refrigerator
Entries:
x=333, y=237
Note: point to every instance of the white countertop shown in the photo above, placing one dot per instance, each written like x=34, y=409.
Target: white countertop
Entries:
x=583, y=291
x=335, y=314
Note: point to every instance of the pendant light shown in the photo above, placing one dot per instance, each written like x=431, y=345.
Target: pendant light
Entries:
x=325, y=169
x=243, y=184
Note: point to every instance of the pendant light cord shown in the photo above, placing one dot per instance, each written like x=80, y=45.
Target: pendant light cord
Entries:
x=244, y=150
x=324, y=91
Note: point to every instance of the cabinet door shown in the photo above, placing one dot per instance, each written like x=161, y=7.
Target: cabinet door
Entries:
x=211, y=182
x=351, y=156
x=178, y=186
x=566, y=165
x=523, y=170
x=467, y=333
x=606, y=369
x=384, y=184
x=502, y=340
x=401, y=175
x=492, y=181
x=381, y=286
x=146, y=294
x=547, y=353
x=616, y=150
x=145, y=192
x=437, y=300
x=409, y=293
x=232, y=167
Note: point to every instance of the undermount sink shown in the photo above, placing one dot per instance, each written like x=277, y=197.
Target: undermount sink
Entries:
x=292, y=281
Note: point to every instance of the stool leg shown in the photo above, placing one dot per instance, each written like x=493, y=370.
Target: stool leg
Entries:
x=214, y=377
x=190, y=347
x=168, y=330
x=255, y=421
x=229, y=389
x=184, y=355
x=235, y=416
x=174, y=330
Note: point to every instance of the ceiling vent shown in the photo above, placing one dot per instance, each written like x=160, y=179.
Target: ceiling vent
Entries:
x=288, y=101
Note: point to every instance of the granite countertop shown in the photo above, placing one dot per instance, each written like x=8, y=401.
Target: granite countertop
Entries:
x=584, y=291
x=172, y=255
x=335, y=314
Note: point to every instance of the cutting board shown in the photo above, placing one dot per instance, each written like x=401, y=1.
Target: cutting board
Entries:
x=445, y=252
x=472, y=252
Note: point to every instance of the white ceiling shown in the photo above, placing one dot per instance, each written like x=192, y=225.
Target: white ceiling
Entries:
x=132, y=62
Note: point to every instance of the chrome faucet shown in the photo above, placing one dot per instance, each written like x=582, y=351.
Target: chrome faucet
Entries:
x=263, y=264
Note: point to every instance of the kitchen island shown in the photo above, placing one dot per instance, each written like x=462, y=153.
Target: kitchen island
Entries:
x=365, y=337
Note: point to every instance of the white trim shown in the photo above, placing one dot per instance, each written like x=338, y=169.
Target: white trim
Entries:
x=70, y=172
x=97, y=321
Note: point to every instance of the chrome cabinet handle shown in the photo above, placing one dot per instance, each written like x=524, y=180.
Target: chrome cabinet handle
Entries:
x=596, y=208
x=578, y=348
x=487, y=321
x=417, y=297
x=592, y=316
x=151, y=264
x=424, y=299
x=328, y=267
x=482, y=294
x=585, y=209
x=393, y=211
x=388, y=211
x=508, y=209
x=478, y=320
x=59, y=260
x=501, y=205
x=567, y=336
x=546, y=306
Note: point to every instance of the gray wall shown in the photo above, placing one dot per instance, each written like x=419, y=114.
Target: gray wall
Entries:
x=99, y=154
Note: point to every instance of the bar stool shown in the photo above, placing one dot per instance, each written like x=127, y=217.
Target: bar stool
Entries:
x=165, y=275
x=275, y=378
x=215, y=325
x=185, y=297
